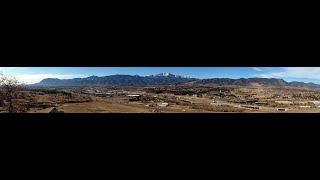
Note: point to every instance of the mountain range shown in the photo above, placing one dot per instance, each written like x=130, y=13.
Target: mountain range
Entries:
x=117, y=80
x=168, y=78
x=258, y=82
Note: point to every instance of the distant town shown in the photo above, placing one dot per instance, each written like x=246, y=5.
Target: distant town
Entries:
x=161, y=93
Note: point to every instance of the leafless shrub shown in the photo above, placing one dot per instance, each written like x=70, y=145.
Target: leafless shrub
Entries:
x=9, y=87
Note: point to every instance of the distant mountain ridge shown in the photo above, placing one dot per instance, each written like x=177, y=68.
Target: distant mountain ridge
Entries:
x=304, y=85
x=168, y=75
x=252, y=82
x=168, y=78
x=117, y=80
x=243, y=81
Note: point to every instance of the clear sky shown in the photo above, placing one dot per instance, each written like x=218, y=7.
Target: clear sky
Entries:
x=36, y=74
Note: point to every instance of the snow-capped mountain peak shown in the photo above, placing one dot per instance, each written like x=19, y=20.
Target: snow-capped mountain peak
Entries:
x=166, y=74
x=178, y=76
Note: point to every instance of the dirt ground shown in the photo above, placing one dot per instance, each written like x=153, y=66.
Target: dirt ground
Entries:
x=105, y=107
x=45, y=102
x=101, y=107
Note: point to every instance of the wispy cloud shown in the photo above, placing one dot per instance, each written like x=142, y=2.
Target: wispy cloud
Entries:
x=6, y=68
x=13, y=67
x=295, y=72
x=35, y=78
x=257, y=69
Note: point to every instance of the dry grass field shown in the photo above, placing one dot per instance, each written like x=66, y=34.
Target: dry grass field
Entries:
x=202, y=100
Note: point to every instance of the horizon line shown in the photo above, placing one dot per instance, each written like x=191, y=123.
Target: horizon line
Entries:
x=173, y=74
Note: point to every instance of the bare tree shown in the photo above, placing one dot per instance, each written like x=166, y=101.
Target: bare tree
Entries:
x=9, y=87
x=1, y=99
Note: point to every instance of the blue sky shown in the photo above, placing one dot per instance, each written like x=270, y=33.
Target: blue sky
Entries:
x=35, y=74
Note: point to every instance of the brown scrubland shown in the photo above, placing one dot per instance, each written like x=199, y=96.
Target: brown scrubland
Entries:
x=158, y=99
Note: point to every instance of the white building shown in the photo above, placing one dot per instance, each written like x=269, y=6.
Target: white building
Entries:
x=316, y=103
x=305, y=106
x=163, y=104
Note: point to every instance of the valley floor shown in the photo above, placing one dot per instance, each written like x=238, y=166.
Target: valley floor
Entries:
x=168, y=99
